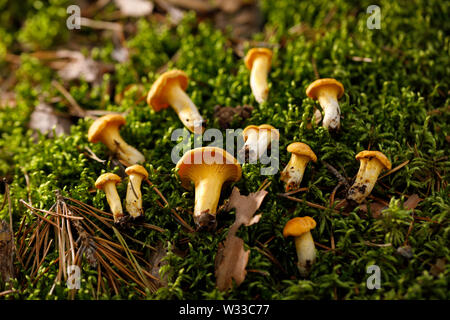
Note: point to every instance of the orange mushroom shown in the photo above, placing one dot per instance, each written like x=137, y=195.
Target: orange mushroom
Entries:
x=259, y=60
x=208, y=168
x=300, y=228
x=328, y=91
x=169, y=90
x=292, y=174
x=107, y=182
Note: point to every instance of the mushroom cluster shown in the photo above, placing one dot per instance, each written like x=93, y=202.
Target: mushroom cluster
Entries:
x=209, y=168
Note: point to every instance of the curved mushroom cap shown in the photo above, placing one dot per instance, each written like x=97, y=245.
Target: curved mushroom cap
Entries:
x=105, y=178
x=156, y=97
x=263, y=126
x=205, y=162
x=97, y=127
x=137, y=169
x=375, y=154
x=313, y=88
x=298, y=226
x=302, y=149
x=253, y=53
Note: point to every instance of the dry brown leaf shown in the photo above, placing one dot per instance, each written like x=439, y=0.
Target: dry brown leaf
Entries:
x=134, y=8
x=377, y=207
x=245, y=206
x=412, y=202
x=231, y=261
x=232, y=258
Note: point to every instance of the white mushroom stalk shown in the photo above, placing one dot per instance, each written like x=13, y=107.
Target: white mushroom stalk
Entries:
x=371, y=165
x=257, y=141
x=107, y=182
x=306, y=252
x=328, y=91
x=292, y=174
x=259, y=61
x=299, y=228
x=133, y=201
x=106, y=130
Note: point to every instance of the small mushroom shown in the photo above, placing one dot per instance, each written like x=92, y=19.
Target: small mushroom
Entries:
x=328, y=91
x=107, y=182
x=169, y=90
x=133, y=201
x=257, y=140
x=300, y=228
x=208, y=168
x=292, y=174
x=371, y=165
x=259, y=60
x=106, y=130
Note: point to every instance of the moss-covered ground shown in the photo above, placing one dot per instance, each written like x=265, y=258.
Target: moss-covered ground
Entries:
x=396, y=101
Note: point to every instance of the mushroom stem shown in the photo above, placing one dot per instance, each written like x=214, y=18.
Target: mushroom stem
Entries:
x=306, y=252
x=185, y=108
x=113, y=200
x=207, y=194
x=330, y=106
x=133, y=201
x=292, y=174
x=369, y=170
x=256, y=144
x=112, y=139
x=258, y=78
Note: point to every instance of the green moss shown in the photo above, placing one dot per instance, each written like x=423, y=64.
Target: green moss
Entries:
x=390, y=105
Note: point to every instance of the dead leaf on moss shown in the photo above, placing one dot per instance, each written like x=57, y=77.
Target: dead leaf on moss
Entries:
x=6, y=252
x=246, y=206
x=232, y=258
x=376, y=208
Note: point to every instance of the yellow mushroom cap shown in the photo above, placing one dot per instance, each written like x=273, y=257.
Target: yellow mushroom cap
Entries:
x=253, y=53
x=137, y=169
x=156, y=97
x=97, y=127
x=298, y=226
x=302, y=149
x=190, y=170
x=375, y=154
x=313, y=88
x=263, y=126
x=105, y=178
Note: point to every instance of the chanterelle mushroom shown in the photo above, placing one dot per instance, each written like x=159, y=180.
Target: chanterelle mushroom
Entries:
x=107, y=182
x=328, y=91
x=106, y=130
x=259, y=60
x=208, y=168
x=371, y=165
x=133, y=201
x=300, y=228
x=169, y=90
x=292, y=174
x=257, y=140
